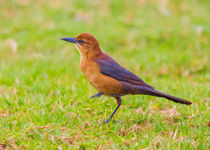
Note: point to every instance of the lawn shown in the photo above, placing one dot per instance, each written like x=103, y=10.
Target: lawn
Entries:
x=44, y=95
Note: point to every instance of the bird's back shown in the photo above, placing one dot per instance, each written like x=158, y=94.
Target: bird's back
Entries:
x=109, y=67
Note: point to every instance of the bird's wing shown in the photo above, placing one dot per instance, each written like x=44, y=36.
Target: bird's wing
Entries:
x=110, y=67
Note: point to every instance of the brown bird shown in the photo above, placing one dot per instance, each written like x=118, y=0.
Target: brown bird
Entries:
x=108, y=77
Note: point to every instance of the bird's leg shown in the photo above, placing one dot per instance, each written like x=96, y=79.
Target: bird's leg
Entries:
x=119, y=101
x=96, y=95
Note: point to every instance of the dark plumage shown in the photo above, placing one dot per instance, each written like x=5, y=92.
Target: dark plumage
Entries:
x=111, y=68
x=108, y=77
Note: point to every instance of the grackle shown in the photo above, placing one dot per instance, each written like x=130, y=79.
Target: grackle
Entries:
x=108, y=77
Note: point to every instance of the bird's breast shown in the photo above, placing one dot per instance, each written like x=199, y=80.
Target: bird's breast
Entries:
x=99, y=81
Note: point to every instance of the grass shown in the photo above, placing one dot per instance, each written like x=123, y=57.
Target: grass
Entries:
x=44, y=95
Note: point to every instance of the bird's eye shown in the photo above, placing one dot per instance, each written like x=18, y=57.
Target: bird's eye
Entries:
x=81, y=41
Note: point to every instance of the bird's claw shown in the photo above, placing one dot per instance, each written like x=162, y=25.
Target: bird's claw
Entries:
x=114, y=121
x=92, y=97
x=96, y=95
x=106, y=121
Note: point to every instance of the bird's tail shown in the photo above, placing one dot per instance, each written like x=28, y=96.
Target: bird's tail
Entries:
x=154, y=92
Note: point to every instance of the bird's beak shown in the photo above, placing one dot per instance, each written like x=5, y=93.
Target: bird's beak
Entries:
x=68, y=39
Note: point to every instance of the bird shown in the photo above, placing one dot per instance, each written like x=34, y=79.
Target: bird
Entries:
x=108, y=77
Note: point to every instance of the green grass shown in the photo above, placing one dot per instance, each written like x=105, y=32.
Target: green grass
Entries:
x=44, y=95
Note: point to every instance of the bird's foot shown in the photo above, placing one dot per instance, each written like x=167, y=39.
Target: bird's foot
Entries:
x=106, y=121
x=96, y=95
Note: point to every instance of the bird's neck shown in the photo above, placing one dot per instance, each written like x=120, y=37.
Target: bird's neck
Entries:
x=87, y=60
x=90, y=55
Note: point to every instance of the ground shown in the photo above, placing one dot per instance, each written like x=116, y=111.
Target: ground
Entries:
x=44, y=95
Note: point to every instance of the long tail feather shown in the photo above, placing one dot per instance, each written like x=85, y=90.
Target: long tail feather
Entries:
x=169, y=97
x=149, y=91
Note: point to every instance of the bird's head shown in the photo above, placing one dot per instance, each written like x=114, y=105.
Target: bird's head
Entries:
x=85, y=43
